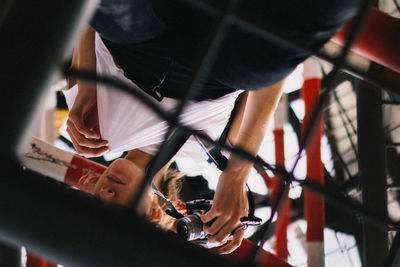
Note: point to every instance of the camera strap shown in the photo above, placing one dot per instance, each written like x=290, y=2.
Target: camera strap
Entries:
x=215, y=156
x=212, y=150
x=171, y=211
x=171, y=148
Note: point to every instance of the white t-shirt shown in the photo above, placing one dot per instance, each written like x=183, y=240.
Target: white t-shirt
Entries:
x=128, y=124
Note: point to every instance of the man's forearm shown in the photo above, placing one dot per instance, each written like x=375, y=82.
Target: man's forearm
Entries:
x=259, y=108
x=230, y=202
x=85, y=51
x=84, y=56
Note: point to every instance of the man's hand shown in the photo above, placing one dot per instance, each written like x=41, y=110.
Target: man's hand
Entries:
x=232, y=244
x=83, y=124
x=83, y=119
x=229, y=205
x=230, y=200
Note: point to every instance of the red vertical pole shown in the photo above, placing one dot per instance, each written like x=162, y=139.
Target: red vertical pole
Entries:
x=284, y=211
x=314, y=204
x=246, y=251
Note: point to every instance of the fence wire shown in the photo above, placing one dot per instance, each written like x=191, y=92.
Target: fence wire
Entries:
x=226, y=17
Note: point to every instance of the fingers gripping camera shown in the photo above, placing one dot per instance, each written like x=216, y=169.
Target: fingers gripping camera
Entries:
x=190, y=227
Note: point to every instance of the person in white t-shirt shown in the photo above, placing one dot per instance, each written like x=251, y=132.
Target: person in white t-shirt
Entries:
x=101, y=120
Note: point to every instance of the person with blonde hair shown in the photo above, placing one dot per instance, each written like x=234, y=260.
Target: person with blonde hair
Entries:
x=119, y=182
x=103, y=119
x=153, y=47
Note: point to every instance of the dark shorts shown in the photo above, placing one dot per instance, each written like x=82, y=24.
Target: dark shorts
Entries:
x=125, y=21
x=158, y=42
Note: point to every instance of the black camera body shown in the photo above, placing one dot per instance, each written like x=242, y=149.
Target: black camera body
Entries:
x=190, y=227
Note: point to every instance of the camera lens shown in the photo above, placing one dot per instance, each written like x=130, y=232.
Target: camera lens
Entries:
x=182, y=229
x=190, y=227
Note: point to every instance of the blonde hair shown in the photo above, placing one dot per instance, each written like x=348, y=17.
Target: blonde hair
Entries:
x=170, y=185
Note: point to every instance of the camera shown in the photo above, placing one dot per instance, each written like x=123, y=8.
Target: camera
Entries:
x=190, y=227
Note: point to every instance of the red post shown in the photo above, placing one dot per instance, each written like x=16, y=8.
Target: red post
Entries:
x=283, y=219
x=314, y=204
x=378, y=40
x=247, y=249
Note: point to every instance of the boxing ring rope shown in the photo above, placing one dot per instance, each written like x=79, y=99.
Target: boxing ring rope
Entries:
x=333, y=197
x=61, y=165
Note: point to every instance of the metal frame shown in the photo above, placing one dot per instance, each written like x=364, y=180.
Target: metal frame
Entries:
x=372, y=169
x=65, y=225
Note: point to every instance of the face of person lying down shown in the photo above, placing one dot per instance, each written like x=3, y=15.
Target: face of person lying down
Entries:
x=120, y=183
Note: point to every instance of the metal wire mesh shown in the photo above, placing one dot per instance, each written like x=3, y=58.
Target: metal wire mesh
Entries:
x=225, y=18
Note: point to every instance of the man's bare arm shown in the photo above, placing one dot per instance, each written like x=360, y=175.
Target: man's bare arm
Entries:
x=83, y=124
x=230, y=200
